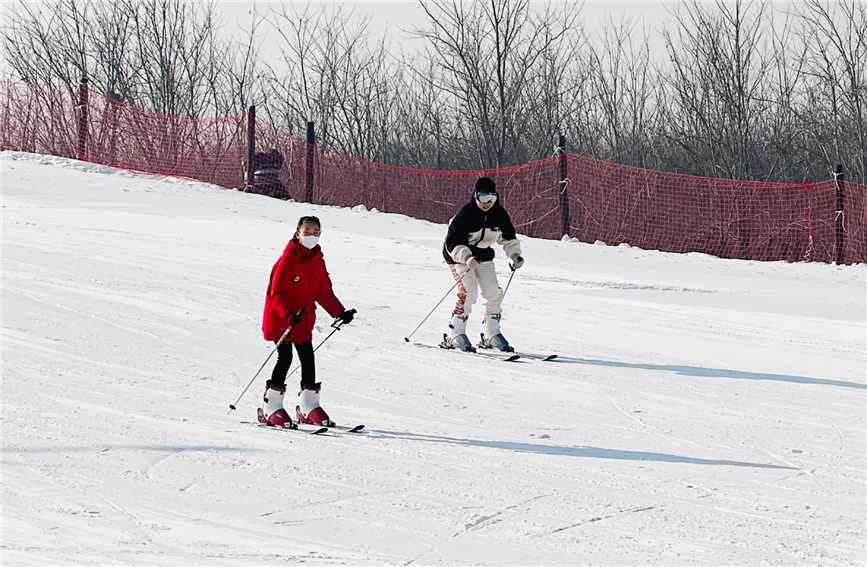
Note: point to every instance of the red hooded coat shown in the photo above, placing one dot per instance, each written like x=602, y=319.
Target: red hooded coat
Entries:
x=298, y=279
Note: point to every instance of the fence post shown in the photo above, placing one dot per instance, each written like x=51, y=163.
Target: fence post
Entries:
x=839, y=214
x=82, y=119
x=564, y=187
x=112, y=109
x=251, y=146
x=311, y=140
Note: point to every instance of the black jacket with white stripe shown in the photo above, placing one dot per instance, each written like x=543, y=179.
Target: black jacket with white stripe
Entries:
x=473, y=231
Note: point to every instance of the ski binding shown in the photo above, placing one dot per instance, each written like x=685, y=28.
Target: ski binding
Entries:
x=448, y=345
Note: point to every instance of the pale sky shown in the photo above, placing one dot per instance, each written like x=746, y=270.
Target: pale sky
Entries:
x=398, y=15
x=404, y=14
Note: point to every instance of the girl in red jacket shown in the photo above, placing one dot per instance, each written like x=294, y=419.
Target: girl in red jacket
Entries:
x=298, y=281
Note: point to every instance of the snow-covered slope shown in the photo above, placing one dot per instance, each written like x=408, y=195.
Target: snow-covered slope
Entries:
x=702, y=411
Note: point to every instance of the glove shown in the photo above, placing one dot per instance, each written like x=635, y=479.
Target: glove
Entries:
x=517, y=262
x=296, y=318
x=471, y=264
x=347, y=316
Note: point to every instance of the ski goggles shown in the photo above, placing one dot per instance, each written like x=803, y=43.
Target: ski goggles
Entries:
x=487, y=197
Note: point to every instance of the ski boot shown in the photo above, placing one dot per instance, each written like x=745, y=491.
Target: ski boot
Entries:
x=496, y=339
x=308, y=410
x=457, y=335
x=272, y=412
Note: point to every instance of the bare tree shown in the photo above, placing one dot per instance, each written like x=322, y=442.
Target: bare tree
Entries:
x=111, y=41
x=332, y=68
x=715, y=87
x=742, y=95
x=164, y=55
x=486, y=53
x=44, y=46
x=834, y=104
x=419, y=118
x=240, y=84
x=360, y=116
x=622, y=95
x=306, y=42
x=171, y=47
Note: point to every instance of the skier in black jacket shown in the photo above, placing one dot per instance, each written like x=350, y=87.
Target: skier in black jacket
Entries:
x=472, y=231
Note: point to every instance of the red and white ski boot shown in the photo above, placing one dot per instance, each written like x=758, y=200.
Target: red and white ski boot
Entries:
x=308, y=409
x=272, y=412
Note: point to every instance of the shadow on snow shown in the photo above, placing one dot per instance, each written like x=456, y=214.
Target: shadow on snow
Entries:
x=554, y=450
x=715, y=372
x=585, y=452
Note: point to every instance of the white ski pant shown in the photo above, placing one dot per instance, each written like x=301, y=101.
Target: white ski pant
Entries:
x=484, y=276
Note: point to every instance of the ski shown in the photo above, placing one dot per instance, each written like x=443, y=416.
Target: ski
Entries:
x=314, y=431
x=348, y=428
x=540, y=357
x=505, y=357
x=307, y=431
x=329, y=424
x=487, y=344
x=537, y=357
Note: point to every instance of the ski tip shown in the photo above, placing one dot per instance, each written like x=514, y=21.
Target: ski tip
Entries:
x=550, y=357
x=319, y=431
x=356, y=429
x=512, y=358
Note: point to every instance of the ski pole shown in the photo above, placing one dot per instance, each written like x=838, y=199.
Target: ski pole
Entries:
x=286, y=334
x=406, y=338
x=336, y=327
x=514, y=269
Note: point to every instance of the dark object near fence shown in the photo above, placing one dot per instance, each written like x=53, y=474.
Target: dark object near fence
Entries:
x=267, y=168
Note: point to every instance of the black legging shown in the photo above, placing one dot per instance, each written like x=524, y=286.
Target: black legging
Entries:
x=284, y=360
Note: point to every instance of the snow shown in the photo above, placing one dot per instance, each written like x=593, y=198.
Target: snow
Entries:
x=702, y=411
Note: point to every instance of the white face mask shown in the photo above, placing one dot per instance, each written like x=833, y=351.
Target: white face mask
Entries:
x=310, y=241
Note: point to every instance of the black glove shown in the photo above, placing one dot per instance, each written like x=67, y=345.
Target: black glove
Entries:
x=517, y=262
x=296, y=318
x=347, y=316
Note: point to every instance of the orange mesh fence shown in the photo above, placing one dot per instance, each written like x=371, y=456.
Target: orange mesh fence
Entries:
x=854, y=220
x=726, y=218
x=126, y=136
x=39, y=119
x=529, y=192
x=568, y=194
x=47, y=119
